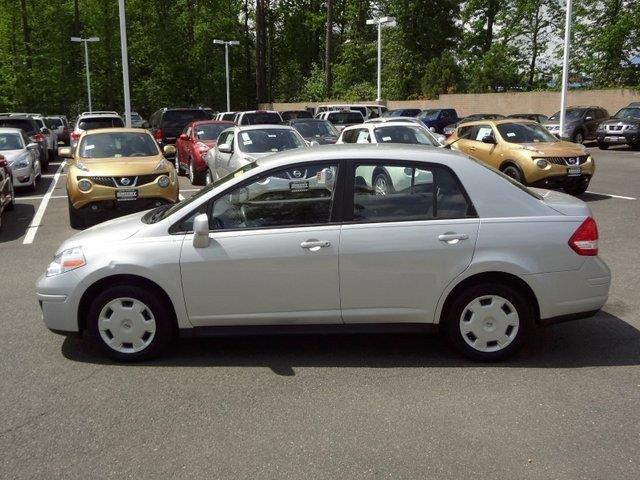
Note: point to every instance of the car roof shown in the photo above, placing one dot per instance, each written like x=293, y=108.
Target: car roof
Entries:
x=212, y=122
x=498, y=121
x=116, y=130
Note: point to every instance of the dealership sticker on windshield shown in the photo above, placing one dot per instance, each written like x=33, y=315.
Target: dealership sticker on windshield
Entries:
x=298, y=186
x=511, y=134
x=89, y=147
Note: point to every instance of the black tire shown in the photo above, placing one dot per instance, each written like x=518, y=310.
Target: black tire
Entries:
x=177, y=164
x=576, y=189
x=578, y=137
x=195, y=177
x=165, y=326
x=12, y=204
x=76, y=220
x=514, y=172
x=382, y=183
x=603, y=146
x=459, y=305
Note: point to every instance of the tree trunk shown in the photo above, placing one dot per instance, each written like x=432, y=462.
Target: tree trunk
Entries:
x=26, y=35
x=247, y=54
x=327, y=50
x=534, y=47
x=492, y=11
x=261, y=87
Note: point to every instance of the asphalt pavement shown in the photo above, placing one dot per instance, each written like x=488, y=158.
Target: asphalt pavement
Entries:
x=320, y=407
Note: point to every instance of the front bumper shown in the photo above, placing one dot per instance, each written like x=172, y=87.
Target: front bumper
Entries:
x=59, y=299
x=22, y=177
x=619, y=138
x=557, y=175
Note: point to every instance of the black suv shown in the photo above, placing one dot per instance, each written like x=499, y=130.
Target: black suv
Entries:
x=580, y=123
x=622, y=128
x=167, y=124
x=33, y=131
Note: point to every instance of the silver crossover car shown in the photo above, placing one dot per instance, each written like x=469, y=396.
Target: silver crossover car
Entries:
x=22, y=156
x=240, y=146
x=458, y=245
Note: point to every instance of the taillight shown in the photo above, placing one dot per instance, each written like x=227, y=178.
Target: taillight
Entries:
x=38, y=137
x=158, y=134
x=584, y=240
x=74, y=136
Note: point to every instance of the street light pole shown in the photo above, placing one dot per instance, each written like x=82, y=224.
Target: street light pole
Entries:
x=86, y=63
x=226, y=65
x=565, y=67
x=125, y=64
x=380, y=21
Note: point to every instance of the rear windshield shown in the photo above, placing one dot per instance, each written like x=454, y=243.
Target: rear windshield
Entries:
x=25, y=125
x=95, y=123
x=403, y=134
x=209, y=131
x=261, y=118
x=178, y=119
x=117, y=145
x=269, y=140
x=295, y=114
x=344, y=118
x=53, y=122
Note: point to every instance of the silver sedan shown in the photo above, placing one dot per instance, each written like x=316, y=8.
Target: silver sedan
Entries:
x=461, y=247
x=22, y=156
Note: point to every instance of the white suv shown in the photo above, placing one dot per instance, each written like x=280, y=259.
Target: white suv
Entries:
x=93, y=120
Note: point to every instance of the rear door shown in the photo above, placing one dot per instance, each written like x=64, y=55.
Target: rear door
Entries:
x=400, y=250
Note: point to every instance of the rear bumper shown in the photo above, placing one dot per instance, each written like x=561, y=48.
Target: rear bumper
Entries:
x=571, y=293
x=568, y=318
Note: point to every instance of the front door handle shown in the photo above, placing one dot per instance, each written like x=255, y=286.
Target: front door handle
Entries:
x=315, y=245
x=452, y=238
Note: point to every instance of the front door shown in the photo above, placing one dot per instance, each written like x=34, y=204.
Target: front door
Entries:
x=402, y=248
x=272, y=256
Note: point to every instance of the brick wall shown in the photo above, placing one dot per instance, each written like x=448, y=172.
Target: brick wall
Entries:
x=505, y=103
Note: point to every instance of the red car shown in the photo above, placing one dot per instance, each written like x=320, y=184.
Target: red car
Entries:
x=192, y=145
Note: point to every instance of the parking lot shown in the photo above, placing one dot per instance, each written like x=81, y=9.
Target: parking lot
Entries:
x=373, y=406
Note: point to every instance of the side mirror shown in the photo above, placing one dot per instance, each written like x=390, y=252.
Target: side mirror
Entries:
x=489, y=139
x=313, y=143
x=588, y=118
x=32, y=146
x=201, y=231
x=169, y=150
x=184, y=136
x=64, y=152
x=224, y=148
x=433, y=129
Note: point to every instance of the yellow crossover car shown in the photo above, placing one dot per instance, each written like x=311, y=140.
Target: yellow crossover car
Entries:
x=527, y=152
x=117, y=170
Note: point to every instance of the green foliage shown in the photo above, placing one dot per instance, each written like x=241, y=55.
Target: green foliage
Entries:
x=442, y=75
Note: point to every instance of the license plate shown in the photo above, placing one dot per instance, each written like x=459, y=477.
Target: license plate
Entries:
x=126, y=195
x=574, y=171
x=615, y=139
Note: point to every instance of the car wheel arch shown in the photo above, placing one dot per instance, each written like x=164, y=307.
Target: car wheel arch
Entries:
x=118, y=280
x=505, y=278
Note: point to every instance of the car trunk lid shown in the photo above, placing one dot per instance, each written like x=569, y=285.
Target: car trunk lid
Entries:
x=563, y=203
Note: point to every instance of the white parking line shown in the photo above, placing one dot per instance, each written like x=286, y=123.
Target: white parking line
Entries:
x=180, y=197
x=611, y=195
x=51, y=175
x=40, y=197
x=37, y=218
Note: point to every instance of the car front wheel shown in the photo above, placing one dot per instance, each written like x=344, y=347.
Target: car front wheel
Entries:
x=513, y=172
x=489, y=322
x=130, y=323
x=382, y=184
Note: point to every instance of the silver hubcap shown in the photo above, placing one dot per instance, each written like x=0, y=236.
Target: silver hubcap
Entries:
x=579, y=138
x=191, y=171
x=489, y=323
x=381, y=185
x=177, y=163
x=127, y=325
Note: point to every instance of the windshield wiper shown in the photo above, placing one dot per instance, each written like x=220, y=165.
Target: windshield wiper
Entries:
x=156, y=214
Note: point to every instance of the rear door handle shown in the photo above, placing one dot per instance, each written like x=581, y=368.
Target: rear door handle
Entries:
x=315, y=245
x=452, y=238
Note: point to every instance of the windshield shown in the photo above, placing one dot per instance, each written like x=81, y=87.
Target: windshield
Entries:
x=269, y=140
x=321, y=128
x=403, y=134
x=10, y=141
x=525, y=133
x=571, y=114
x=261, y=118
x=118, y=145
x=628, y=113
x=164, y=211
x=209, y=131
x=344, y=118
x=428, y=114
x=95, y=123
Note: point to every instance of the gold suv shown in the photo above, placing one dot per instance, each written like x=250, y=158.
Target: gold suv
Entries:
x=117, y=170
x=527, y=152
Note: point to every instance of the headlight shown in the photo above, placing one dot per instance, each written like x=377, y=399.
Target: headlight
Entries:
x=164, y=181
x=632, y=128
x=601, y=127
x=20, y=164
x=542, y=163
x=65, y=261
x=162, y=165
x=84, y=185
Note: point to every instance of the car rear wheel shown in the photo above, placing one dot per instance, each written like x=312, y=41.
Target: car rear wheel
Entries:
x=382, y=184
x=578, y=137
x=177, y=164
x=195, y=177
x=11, y=205
x=514, y=172
x=76, y=220
x=130, y=323
x=489, y=322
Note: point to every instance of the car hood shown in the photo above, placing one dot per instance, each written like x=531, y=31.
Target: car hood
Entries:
x=114, y=230
x=126, y=166
x=553, y=149
x=13, y=155
x=563, y=203
x=622, y=121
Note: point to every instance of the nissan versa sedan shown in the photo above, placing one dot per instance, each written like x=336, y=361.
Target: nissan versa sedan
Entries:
x=117, y=171
x=261, y=252
x=527, y=152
